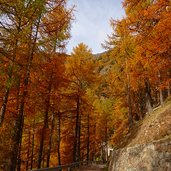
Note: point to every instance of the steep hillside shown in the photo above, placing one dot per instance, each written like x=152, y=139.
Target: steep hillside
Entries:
x=155, y=126
x=148, y=146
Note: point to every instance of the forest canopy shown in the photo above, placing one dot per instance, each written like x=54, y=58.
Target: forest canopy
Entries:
x=57, y=108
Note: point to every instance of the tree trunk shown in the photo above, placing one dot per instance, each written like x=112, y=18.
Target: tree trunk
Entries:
x=94, y=143
x=59, y=138
x=148, y=96
x=19, y=157
x=20, y=143
x=20, y=118
x=43, y=132
x=79, y=138
x=106, y=141
x=10, y=74
x=32, y=147
x=50, y=141
x=161, y=97
x=9, y=79
x=141, y=103
x=88, y=137
x=75, y=149
x=168, y=91
x=160, y=90
x=45, y=124
x=130, y=118
x=28, y=151
x=17, y=136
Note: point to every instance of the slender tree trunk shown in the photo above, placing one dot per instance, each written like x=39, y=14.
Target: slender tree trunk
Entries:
x=4, y=105
x=160, y=90
x=28, y=151
x=20, y=118
x=32, y=147
x=17, y=138
x=148, y=96
x=59, y=138
x=10, y=74
x=94, y=143
x=17, y=108
x=169, y=83
x=17, y=135
x=129, y=105
x=75, y=151
x=79, y=137
x=140, y=104
x=43, y=132
x=43, y=162
x=88, y=137
x=19, y=156
x=105, y=140
x=130, y=118
x=161, y=97
x=9, y=79
x=45, y=124
x=169, y=87
x=148, y=104
x=50, y=141
x=168, y=92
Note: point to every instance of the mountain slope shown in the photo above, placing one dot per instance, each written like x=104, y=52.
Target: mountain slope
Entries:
x=155, y=126
x=148, y=145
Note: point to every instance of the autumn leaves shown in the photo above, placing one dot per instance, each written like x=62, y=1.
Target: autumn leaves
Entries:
x=24, y=47
x=58, y=108
x=139, y=49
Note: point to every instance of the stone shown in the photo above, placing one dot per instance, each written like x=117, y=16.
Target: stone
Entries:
x=153, y=156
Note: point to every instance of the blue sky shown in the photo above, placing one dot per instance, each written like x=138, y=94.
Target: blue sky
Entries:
x=91, y=24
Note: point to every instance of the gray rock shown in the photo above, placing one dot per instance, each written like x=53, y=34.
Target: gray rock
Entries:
x=154, y=156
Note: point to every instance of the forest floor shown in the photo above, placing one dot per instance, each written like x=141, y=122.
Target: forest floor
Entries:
x=155, y=126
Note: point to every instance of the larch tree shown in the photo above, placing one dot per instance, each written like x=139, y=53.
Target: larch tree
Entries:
x=23, y=23
x=121, y=51
x=147, y=20
x=81, y=74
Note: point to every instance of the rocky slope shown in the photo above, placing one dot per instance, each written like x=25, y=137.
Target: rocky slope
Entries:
x=155, y=126
x=150, y=148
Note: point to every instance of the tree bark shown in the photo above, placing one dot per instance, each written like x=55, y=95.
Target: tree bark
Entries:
x=161, y=97
x=75, y=149
x=19, y=156
x=88, y=137
x=169, y=91
x=45, y=124
x=130, y=118
x=148, y=96
x=32, y=146
x=50, y=141
x=28, y=151
x=94, y=143
x=20, y=118
x=160, y=90
x=10, y=73
x=17, y=136
x=59, y=138
x=79, y=137
x=9, y=79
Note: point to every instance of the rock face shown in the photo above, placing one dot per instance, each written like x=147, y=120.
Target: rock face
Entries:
x=155, y=156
